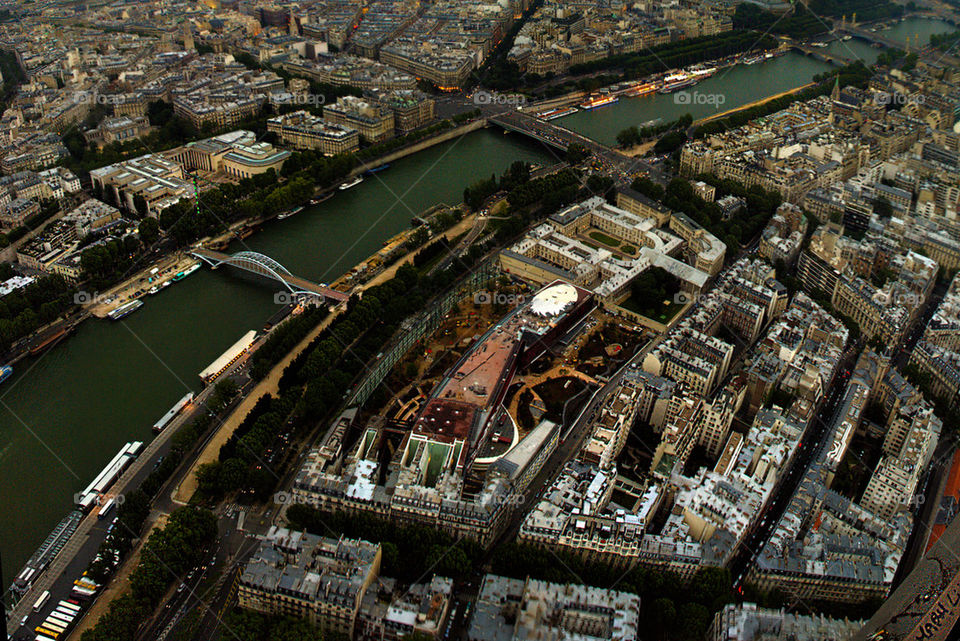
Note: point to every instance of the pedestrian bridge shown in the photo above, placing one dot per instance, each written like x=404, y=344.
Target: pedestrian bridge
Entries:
x=262, y=265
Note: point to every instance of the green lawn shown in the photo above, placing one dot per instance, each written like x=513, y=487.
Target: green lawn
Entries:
x=654, y=311
x=603, y=238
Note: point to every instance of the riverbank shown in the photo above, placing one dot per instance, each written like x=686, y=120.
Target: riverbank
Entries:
x=755, y=103
x=419, y=146
x=639, y=150
x=138, y=285
x=119, y=582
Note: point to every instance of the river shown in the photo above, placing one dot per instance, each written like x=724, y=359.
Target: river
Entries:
x=916, y=29
x=735, y=86
x=729, y=88
x=65, y=414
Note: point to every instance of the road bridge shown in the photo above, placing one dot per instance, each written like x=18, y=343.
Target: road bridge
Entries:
x=870, y=36
x=561, y=138
x=821, y=55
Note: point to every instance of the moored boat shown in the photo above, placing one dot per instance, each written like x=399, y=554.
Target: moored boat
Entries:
x=353, y=183
x=596, y=102
x=125, y=310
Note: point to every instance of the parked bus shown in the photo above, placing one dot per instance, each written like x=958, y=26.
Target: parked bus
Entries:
x=70, y=605
x=62, y=617
x=82, y=593
x=41, y=601
x=66, y=617
x=53, y=624
x=49, y=633
x=43, y=637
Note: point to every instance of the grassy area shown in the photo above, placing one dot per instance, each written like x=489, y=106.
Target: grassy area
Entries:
x=605, y=239
x=662, y=313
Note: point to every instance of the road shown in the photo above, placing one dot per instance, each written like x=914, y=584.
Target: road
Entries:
x=552, y=134
x=196, y=606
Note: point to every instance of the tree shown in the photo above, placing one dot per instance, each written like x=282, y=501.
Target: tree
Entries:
x=882, y=207
x=647, y=187
x=670, y=142
x=665, y=617
x=223, y=393
x=149, y=231
x=576, y=153
x=693, y=620
x=140, y=205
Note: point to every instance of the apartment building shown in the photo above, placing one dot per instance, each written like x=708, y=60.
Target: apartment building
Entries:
x=319, y=579
x=782, y=238
x=447, y=68
x=14, y=212
x=705, y=251
x=411, y=108
x=374, y=122
x=514, y=610
x=302, y=130
x=118, y=129
x=749, y=622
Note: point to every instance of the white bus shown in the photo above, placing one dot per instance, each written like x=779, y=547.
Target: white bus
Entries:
x=41, y=601
x=54, y=625
x=69, y=606
x=59, y=615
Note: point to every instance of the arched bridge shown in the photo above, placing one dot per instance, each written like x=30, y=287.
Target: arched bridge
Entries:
x=263, y=265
